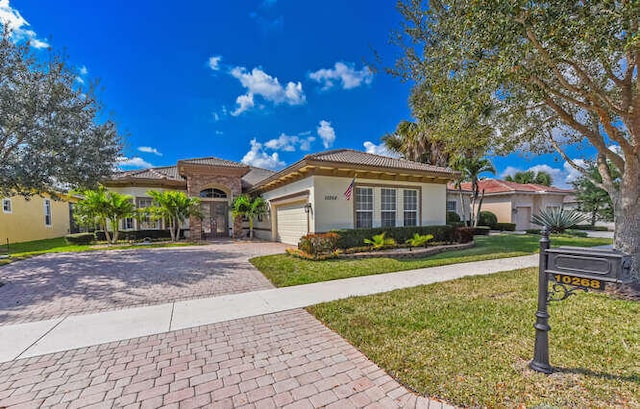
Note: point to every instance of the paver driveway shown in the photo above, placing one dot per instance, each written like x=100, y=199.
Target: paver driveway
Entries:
x=54, y=285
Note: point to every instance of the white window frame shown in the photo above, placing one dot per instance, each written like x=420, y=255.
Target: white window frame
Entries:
x=358, y=208
x=453, y=208
x=388, y=207
x=407, y=210
x=48, y=216
x=5, y=208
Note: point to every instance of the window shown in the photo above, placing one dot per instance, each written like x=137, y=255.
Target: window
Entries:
x=388, y=207
x=127, y=223
x=452, y=205
x=213, y=193
x=47, y=212
x=364, y=207
x=145, y=221
x=6, y=205
x=410, y=207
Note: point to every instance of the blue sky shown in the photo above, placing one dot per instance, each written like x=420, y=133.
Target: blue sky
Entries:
x=264, y=82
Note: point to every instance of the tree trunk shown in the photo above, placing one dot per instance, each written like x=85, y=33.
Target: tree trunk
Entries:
x=594, y=216
x=463, y=210
x=114, y=226
x=107, y=236
x=627, y=221
x=172, y=231
x=250, y=229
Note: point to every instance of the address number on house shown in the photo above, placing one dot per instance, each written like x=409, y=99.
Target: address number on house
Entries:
x=591, y=283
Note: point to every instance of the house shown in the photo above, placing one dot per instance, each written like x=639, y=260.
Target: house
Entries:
x=513, y=202
x=335, y=189
x=35, y=218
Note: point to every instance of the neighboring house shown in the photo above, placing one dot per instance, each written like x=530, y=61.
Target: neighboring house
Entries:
x=306, y=197
x=515, y=202
x=35, y=218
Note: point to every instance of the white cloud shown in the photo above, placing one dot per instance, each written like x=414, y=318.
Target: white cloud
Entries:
x=344, y=74
x=289, y=143
x=83, y=70
x=135, y=162
x=326, y=133
x=562, y=177
x=259, y=158
x=12, y=18
x=244, y=102
x=149, y=149
x=381, y=149
x=259, y=83
x=214, y=62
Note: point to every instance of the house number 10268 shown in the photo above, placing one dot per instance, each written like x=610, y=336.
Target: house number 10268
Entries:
x=579, y=281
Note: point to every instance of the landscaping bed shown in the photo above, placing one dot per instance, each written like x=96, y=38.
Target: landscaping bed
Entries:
x=407, y=252
x=469, y=341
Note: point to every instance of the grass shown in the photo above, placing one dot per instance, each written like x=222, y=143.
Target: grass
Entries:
x=469, y=342
x=284, y=270
x=59, y=245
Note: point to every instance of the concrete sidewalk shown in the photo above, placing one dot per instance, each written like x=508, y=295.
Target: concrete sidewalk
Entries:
x=77, y=331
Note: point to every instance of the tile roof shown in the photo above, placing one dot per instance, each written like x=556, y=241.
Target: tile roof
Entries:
x=502, y=186
x=353, y=157
x=161, y=173
x=255, y=176
x=214, y=162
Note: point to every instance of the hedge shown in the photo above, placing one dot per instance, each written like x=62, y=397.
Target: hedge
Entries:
x=139, y=235
x=355, y=237
x=80, y=238
x=481, y=230
x=589, y=227
x=318, y=244
x=452, y=217
x=506, y=226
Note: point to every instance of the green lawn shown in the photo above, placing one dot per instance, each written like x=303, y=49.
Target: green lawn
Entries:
x=59, y=245
x=469, y=342
x=284, y=270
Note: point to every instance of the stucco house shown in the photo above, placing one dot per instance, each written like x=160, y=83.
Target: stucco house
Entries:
x=335, y=189
x=35, y=218
x=511, y=202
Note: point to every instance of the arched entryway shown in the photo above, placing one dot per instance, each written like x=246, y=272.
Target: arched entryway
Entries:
x=215, y=213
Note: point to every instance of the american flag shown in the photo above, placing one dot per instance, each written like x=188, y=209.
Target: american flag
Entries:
x=349, y=191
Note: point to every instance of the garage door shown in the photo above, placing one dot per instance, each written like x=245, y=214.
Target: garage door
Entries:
x=292, y=223
x=523, y=218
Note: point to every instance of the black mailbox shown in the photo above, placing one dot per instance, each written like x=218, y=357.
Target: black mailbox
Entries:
x=594, y=264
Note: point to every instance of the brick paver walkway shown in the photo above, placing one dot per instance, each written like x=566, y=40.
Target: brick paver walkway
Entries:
x=54, y=285
x=283, y=360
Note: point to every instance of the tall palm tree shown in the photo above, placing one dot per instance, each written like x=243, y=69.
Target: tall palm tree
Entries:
x=250, y=208
x=471, y=167
x=175, y=208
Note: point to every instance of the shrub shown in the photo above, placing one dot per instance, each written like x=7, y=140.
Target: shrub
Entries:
x=379, y=241
x=80, y=238
x=481, y=230
x=533, y=231
x=306, y=256
x=452, y=217
x=464, y=234
x=576, y=233
x=316, y=244
x=488, y=219
x=355, y=237
x=419, y=240
x=558, y=220
x=505, y=226
x=139, y=235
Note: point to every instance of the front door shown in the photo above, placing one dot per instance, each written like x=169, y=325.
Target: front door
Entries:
x=215, y=217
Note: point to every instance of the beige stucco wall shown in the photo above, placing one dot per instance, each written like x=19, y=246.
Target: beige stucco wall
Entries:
x=26, y=221
x=500, y=206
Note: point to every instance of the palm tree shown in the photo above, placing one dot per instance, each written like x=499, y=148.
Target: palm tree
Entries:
x=412, y=140
x=471, y=167
x=251, y=208
x=105, y=209
x=175, y=208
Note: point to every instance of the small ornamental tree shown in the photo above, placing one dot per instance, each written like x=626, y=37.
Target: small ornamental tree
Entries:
x=175, y=208
x=104, y=209
x=593, y=199
x=251, y=208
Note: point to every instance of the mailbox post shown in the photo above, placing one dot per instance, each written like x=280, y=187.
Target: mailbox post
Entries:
x=578, y=268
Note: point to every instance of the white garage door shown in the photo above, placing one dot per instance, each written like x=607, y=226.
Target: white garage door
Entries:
x=292, y=223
